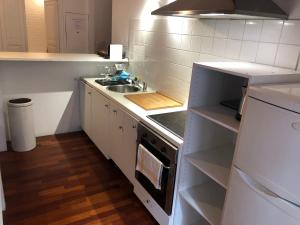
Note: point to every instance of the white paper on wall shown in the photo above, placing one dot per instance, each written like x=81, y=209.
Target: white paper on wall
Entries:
x=77, y=36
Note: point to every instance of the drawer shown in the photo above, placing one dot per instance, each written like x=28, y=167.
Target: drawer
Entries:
x=268, y=148
x=249, y=203
x=156, y=211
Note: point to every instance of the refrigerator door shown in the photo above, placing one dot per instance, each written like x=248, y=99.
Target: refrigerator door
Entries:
x=268, y=148
x=249, y=203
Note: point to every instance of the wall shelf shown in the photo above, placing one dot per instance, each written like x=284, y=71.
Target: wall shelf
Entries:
x=207, y=199
x=220, y=115
x=215, y=163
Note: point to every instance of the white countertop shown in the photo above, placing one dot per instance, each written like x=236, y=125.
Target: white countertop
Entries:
x=282, y=95
x=53, y=57
x=256, y=73
x=137, y=112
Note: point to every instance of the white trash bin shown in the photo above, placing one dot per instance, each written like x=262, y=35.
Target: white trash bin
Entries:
x=22, y=134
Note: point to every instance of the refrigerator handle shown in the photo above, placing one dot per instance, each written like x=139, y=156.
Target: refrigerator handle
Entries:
x=289, y=207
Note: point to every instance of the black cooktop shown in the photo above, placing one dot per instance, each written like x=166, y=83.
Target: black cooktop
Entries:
x=174, y=121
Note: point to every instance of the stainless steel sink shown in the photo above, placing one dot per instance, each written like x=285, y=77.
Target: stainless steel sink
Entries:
x=123, y=88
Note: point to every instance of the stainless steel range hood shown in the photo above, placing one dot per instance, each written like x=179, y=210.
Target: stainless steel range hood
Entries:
x=234, y=9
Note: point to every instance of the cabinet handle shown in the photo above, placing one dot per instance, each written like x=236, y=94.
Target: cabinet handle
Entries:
x=106, y=105
x=147, y=201
x=134, y=126
x=121, y=128
x=115, y=111
x=89, y=93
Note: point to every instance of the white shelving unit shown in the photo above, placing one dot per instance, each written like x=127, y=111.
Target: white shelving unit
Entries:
x=210, y=136
x=220, y=115
x=207, y=199
x=214, y=163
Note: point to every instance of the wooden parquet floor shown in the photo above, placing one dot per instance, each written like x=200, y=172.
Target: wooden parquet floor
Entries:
x=67, y=181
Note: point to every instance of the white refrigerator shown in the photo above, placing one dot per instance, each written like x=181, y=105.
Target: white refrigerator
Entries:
x=265, y=181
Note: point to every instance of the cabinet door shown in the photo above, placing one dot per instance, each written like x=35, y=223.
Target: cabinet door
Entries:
x=129, y=151
x=117, y=128
x=52, y=25
x=13, y=25
x=100, y=125
x=123, y=136
x=86, y=107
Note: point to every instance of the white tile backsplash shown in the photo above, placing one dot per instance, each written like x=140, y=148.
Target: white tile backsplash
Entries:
x=271, y=31
x=206, y=45
x=197, y=27
x=166, y=48
x=188, y=58
x=219, y=46
x=287, y=56
x=173, y=25
x=222, y=28
x=266, y=53
x=291, y=32
x=195, y=43
x=248, y=51
x=188, y=25
x=186, y=42
x=236, y=30
x=233, y=49
x=172, y=41
x=208, y=28
x=253, y=30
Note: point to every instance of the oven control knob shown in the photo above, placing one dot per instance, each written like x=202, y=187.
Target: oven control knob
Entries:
x=163, y=149
x=145, y=135
x=153, y=141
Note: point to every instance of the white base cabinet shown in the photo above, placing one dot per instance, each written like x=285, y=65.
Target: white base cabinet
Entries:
x=100, y=126
x=158, y=213
x=86, y=108
x=112, y=130
x=123, y=134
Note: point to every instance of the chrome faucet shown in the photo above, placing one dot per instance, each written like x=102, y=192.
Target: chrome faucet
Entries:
x=138, y=83
x=144, y=86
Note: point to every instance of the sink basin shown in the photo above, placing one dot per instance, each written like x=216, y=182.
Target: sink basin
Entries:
x=123, y=88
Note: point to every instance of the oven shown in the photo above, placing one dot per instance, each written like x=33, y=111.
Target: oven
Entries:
x=166, y=153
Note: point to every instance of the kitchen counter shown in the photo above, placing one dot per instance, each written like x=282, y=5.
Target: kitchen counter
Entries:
x=53, y=57
x=137, y=112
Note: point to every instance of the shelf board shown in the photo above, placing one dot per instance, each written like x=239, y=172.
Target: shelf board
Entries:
x=215, y=163
x=220, y=115
x=207, y=199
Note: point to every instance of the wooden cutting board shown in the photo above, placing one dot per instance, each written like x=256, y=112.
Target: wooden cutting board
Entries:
x=151, y=101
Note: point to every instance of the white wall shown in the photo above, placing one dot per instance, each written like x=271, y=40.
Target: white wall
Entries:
x=35, y=24
x=99, y=12
x=125, y=10
x=103, y=18
x=53, y=86
x=163, y=49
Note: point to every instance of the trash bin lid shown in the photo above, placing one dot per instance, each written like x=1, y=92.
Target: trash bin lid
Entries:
x=20, y=102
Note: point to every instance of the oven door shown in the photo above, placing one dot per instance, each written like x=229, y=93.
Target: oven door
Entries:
x=167, y=154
